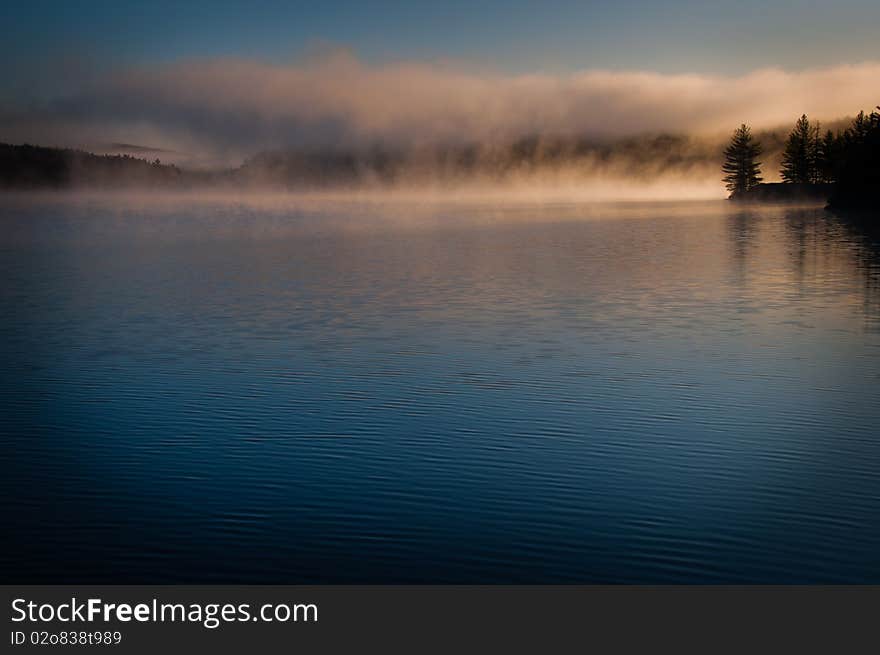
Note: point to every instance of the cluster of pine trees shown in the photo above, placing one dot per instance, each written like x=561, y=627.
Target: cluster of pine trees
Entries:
x=849, y=159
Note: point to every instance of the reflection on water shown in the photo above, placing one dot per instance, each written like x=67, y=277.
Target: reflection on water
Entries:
x=366, y=393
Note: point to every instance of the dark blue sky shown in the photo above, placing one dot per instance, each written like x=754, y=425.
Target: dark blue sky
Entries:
x=675, y=36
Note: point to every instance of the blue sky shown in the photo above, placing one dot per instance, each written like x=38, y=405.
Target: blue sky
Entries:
x=514, y=36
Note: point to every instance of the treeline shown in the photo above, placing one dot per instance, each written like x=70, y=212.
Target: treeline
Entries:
x=539, y=158
x=35, y=167
x=843, y=165
x=643, y=157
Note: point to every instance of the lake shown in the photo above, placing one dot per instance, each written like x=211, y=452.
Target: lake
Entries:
x=331, y=390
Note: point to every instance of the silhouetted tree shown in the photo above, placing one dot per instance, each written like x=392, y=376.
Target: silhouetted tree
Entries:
x=816, y=152
x=742, y=170
x=858, y=173
x=860, y=128
x=828, y=160
x=800, y=155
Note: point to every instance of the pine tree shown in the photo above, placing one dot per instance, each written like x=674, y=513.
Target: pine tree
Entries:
x=860, y=128
x=799, y=157
x=741, y=168
x=829, y=149
x=815, y=153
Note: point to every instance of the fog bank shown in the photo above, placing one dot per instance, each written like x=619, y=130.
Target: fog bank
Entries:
x=221, y=111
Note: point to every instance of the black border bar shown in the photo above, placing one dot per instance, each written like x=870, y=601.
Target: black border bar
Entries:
x=456, y=619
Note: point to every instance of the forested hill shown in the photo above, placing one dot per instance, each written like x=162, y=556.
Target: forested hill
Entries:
x=541, y=158
x=31, y=167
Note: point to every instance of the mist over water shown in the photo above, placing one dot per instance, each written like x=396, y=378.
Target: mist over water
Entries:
x=368, y=388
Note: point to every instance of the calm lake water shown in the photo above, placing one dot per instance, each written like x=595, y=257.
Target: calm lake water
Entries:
x=348, y=392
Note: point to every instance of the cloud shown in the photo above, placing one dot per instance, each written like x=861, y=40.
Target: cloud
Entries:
x=226, y=109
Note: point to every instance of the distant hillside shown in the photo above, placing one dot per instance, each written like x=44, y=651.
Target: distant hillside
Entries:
x=533, y=159
x=538, y=157
x=541, y=157
x=34, y=167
